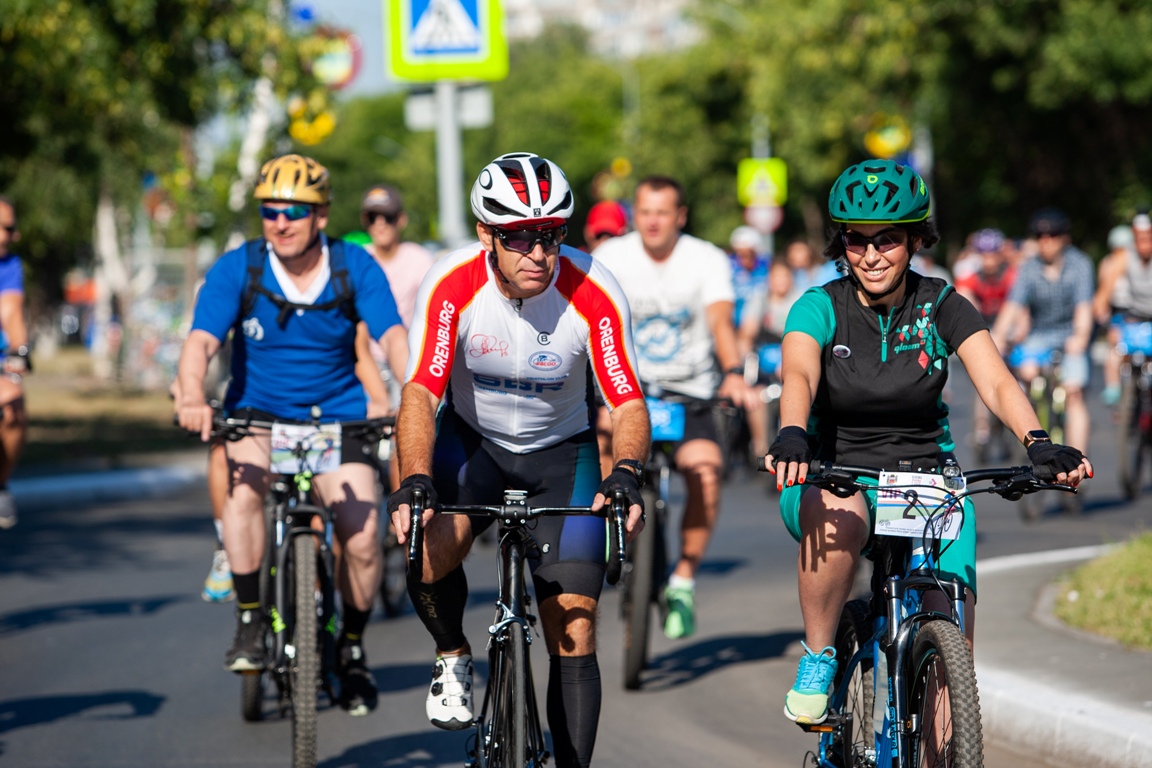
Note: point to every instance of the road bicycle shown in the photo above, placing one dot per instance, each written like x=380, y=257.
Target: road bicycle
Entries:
x=297, y=585
x=905, y=691
x=1047, y=395
x=1134, y=409
x=394, y=576
x=508, y=730
x=646, y=566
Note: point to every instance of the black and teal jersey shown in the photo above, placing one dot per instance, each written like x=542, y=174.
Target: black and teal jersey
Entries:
x=880, y=397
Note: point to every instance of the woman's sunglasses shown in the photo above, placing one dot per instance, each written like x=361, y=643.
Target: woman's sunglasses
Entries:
x=391, y=218
x=524, y=240
x=888, y=240
x=292, y=212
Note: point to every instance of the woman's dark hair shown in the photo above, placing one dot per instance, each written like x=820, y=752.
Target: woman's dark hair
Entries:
x=924, y=231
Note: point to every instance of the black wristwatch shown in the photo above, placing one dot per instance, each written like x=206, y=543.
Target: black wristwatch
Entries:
x=635, y=467
x=737, y=371
x=1035, y=436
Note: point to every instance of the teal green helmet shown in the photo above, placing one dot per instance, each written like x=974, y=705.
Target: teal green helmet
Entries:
x=879, y=192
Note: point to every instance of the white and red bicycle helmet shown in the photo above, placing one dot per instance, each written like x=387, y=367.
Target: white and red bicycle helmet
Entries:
x=521, y=190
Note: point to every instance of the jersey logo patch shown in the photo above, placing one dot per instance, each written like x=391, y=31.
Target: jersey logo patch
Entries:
x=545, y=361
x=253, y=329
x=841, y=351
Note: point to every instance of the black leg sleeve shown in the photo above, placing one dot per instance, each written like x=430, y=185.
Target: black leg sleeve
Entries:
x=573, y=708
x=440, y=606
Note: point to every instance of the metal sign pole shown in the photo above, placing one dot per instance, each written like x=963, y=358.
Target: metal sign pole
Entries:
x=449, y=165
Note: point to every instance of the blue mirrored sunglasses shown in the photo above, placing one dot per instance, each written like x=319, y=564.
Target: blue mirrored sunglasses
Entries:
x=292, y=212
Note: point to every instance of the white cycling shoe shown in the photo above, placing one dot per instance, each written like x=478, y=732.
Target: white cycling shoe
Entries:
x=449, y=704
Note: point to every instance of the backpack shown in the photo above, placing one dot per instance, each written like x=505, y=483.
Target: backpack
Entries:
x=257, y=250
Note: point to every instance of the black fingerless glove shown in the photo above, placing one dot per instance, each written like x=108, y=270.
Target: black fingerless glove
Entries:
x=1057, y=458
x=624, y=480
x=791, y=445
x=403, y=494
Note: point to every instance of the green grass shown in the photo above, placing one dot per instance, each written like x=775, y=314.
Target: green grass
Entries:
x=1112, y=595
x=74, y=417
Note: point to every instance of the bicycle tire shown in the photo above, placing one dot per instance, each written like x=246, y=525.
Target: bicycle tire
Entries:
x=1128, y=446
x=306, y=668
x=942, y=662
x=252, y=696
x=394, y=580
x=848, y=745
x=510, y=740
x=636, y=602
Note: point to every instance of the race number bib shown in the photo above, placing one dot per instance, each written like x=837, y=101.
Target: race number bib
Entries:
x=905, y=500
x=667, y=420
x=320, y=446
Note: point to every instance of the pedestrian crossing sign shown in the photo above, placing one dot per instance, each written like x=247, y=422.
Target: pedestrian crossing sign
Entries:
x=446, y=40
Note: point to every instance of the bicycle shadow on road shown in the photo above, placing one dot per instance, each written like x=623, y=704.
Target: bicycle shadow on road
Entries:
x=692, y=662
x=21, y=621
x=39, y=710
x=427, y=749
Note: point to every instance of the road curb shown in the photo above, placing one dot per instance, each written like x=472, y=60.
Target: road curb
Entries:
x=106, y=486
x=1064, y=726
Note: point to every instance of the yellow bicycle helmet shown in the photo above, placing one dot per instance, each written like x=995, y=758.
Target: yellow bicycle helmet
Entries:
x=294, y=178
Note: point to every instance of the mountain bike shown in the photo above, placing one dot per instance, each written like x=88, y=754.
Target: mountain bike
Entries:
x=905, y=691
x=297, y=583
x=1047, y=395
x=1134, y=409
x=508, y=730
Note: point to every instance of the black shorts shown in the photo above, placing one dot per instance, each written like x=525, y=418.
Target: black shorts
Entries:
x=354, y=448
x=470, y=469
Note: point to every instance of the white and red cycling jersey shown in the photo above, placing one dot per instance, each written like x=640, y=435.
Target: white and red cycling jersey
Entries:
x=518, y=368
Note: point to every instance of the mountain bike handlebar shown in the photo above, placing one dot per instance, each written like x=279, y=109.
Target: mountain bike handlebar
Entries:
x=515, y=511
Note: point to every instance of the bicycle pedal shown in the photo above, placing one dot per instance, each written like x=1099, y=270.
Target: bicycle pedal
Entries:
x=830, y=724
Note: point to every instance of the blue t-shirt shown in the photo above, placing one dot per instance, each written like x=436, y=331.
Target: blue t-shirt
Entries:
x=311, y=359
x=747, y=284
x=11, y=281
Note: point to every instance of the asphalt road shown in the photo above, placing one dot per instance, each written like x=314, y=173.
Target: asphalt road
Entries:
x=108, y=657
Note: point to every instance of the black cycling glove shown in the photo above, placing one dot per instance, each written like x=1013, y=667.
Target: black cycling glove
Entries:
x=403, y=494
x=624, y=480
x=791, y=445
x=1058, y=458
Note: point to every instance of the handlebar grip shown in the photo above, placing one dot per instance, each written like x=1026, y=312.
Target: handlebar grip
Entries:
x=761, y=465
x=416, y=536
x=618, y=537
x=1044, y=473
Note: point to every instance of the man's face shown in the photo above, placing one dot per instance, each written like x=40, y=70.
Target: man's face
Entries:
x=528, y=274
x=798, y=256
x=384, y=228
x=8, y=232
x=1051, y=246
x=293, y=227
x=1142, y=240
x=991, y=261
x=659, y=218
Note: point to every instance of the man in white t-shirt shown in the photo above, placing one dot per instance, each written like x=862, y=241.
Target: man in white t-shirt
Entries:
x=680, y=290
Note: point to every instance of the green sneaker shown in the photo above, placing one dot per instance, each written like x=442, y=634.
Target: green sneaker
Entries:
x=807, y=702
x=681, y=619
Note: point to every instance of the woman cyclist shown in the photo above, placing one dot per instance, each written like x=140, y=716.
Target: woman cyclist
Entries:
x=865, y=359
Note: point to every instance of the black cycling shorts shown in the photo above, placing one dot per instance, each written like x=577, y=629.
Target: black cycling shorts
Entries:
x=470, y=469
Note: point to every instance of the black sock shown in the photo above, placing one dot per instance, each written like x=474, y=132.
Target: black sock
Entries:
x=247, y=587
x=440, y=606
x=573, y=708
x=355, y=620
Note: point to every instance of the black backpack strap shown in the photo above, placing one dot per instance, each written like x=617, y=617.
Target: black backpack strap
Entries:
x=341, y=282
x=257, y=255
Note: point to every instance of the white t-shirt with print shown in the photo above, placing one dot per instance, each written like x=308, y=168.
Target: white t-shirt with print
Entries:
x=668, y=299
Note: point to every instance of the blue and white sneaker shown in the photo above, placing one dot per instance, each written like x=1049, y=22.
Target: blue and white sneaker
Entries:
x=807, y=702
x=218, y=585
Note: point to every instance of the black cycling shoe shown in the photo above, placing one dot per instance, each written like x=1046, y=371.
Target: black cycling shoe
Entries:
x=247, y=651
x=357, y=688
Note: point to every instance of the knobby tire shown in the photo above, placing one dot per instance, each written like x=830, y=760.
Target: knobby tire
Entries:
x=848, y=744
x=944, y=697
x=306, y=670
x=638, y=595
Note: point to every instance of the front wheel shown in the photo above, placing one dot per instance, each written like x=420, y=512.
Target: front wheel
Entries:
x=509, y=738
x=944, y=700
x=637, y=594
x=306, y=668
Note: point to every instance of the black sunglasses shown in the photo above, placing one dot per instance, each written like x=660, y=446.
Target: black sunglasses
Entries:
x=10, y=229
x=525, y=240
x=888, y=240
x=391, y=218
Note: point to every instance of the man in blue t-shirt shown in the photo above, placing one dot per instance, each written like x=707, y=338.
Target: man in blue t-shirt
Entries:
x=14, y=352
x=300, y=307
